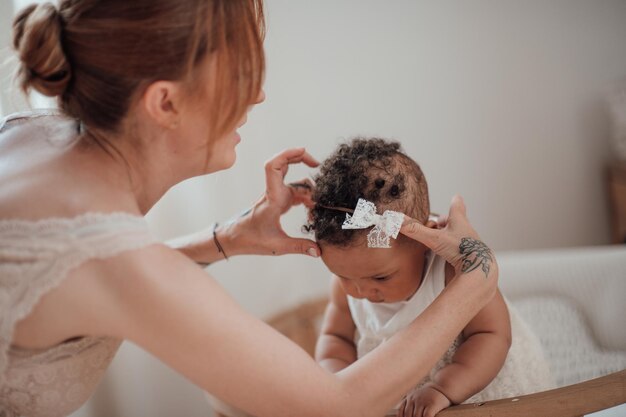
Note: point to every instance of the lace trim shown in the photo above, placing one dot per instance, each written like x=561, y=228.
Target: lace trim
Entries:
x=36, y=256
x=57, y=223
x=386, y=226
x=27, y=115
x=43, y=355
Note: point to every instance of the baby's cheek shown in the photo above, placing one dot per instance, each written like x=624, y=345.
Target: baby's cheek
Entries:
x=350, y=289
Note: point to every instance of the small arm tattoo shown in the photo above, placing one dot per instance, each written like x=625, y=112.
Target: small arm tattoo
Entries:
x=474, y=254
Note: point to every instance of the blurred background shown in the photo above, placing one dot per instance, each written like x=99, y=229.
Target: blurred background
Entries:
x=504, y=102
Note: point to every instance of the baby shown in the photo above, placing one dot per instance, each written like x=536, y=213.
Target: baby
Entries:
x=377, y=291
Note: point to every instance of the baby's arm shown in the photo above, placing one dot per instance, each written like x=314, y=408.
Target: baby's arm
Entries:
x=481, y=356
x=335, y=347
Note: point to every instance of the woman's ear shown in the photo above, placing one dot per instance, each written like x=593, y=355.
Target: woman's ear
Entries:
x=162, y=102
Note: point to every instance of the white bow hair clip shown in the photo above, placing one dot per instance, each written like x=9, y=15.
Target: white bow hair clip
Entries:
x=385, y=226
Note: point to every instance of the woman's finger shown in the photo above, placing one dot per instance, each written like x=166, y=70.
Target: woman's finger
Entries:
x=305, y=184
x=302, y=192
x=301, y=246
x=276, y=168
x=417, y=231
x=306, y=158
x=457, y=207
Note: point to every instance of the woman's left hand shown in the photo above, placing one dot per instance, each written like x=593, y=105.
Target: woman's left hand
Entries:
x=259, y=230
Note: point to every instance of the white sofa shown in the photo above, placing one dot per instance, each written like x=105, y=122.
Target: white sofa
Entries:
x=575, y=300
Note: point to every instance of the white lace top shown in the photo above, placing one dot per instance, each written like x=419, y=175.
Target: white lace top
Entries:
x=35, y=257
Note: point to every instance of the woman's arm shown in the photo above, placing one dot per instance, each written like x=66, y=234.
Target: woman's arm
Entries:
x=201, y=247
x=335, y=347
x=258, y=230
x=481, y=356
x=192, y=325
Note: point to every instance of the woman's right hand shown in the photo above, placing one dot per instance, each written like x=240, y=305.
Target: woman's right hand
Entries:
x=457, y=242
x=260, y=229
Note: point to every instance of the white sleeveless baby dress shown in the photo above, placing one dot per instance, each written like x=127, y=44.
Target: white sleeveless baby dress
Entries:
x=35, y=257
x=525, y=369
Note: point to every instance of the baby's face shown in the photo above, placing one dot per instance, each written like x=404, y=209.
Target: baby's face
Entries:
x=380, y=275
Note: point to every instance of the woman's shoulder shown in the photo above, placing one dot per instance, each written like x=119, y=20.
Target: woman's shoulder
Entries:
x=48, y=176
x=84, y=291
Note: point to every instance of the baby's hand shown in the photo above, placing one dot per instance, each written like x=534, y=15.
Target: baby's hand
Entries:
x=423, y=402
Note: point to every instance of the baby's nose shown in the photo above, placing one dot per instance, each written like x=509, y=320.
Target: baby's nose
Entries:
x=375, y=294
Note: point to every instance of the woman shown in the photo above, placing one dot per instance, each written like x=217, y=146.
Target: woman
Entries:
x=151, y=93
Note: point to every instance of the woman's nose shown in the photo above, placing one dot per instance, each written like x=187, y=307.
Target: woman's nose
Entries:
x=261, y=97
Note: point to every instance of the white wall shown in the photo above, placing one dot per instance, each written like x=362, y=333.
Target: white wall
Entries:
x=6, y=10
x=501, y=101
x=11, y=97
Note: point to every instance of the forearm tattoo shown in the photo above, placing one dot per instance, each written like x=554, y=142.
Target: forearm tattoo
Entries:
x=475, y=253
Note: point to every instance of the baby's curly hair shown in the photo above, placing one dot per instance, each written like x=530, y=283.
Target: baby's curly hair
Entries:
x=371, y=168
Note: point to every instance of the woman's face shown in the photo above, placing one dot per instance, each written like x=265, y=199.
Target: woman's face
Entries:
x=380, y=275
x=221, y=151
x=195, y=124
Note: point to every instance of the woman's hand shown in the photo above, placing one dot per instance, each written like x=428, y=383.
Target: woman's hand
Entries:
x=259, y=230
x=457, y=241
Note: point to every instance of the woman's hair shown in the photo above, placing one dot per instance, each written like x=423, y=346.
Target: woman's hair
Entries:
x=370, y=168
x=97, y=56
